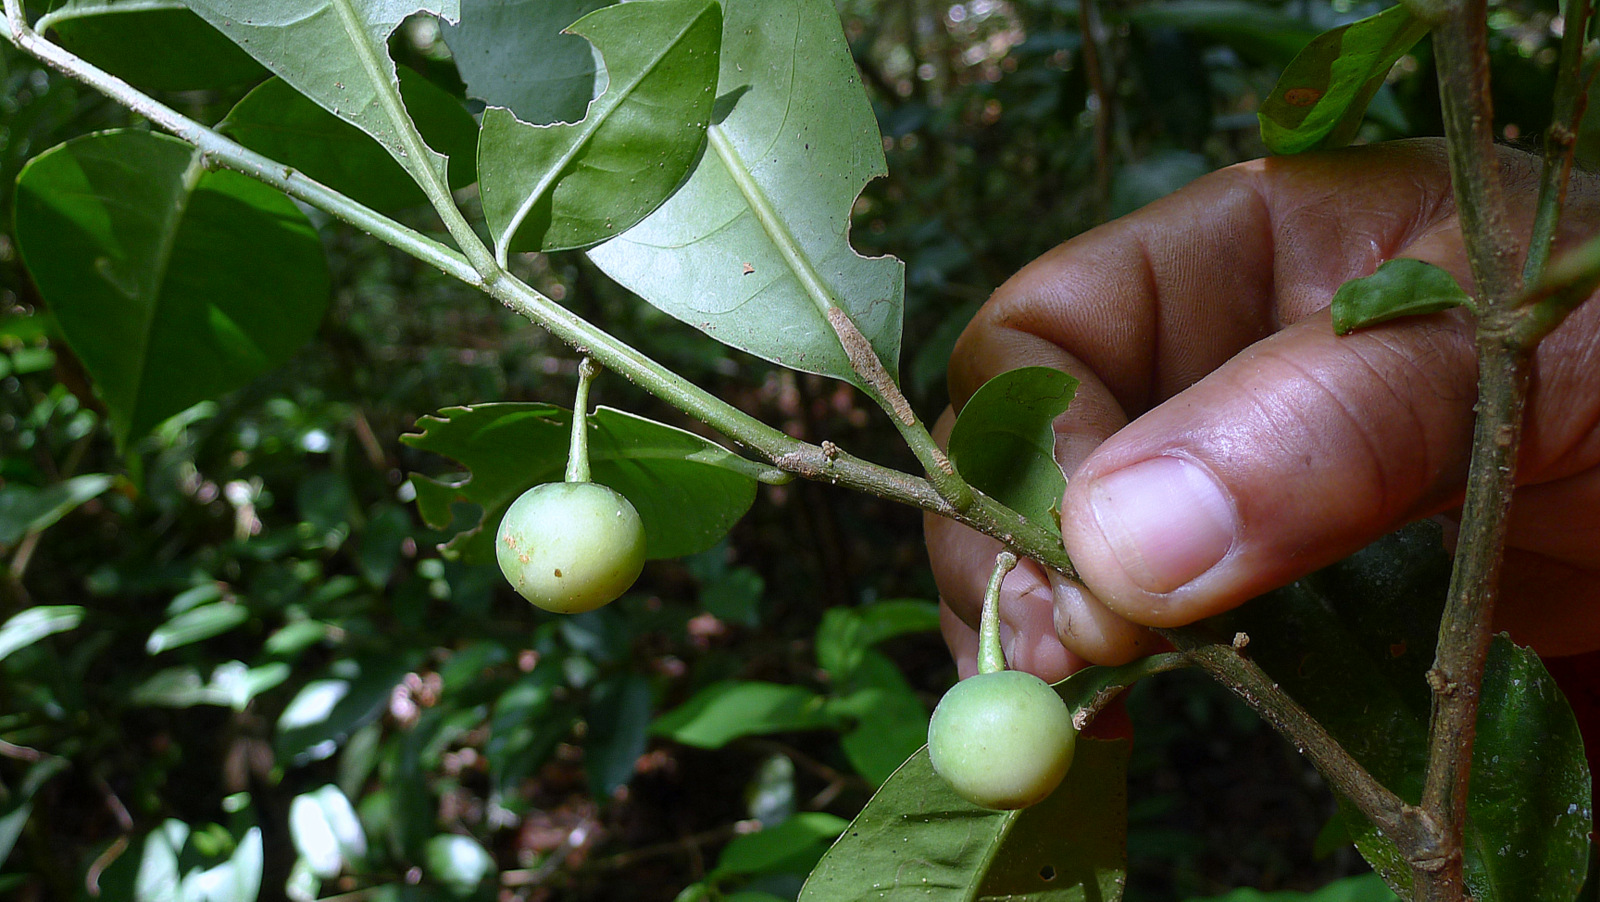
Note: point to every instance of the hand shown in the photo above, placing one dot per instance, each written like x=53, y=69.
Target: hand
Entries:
x=1262, y=447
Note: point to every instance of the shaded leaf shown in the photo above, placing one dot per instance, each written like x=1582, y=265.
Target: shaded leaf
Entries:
x=689, y=491
x=725, y=711
x=1366, y=888
x=1401, y=287
x=1322, y=96
x=1260, y=34
x=846, y=633
x=515, y=54
x=890, y=720
x=1003, y=443
x=25, y=509
x=324, y=713
x=556, y=187
x=754, y=249
x=619, y=727
x=117, y=35
x=790, y=847
x=918, y=840
x=336, y=53
x=138, y=251
x=1353, y=643
x=279, y=122
x=27, y=627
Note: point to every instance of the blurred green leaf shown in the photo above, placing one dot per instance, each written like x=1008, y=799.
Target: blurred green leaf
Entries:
x=725, y=711
x=16, y=803
x=117, y=36
x=735, y=596
x=326, y=711
x=25, y=509
x=556, y=187
x=233, y=684
x=891, y=722
x=196, y=625
x=791, y=847
x=1366, y=888
x=142, y=254
x=754, y=249
x=1003, y=442
x=846, y=633
x=326, y=831
x=458, y=862
x=516, y=54
x=279, y=122
x=1259, y=32
x=29, y=626
x=1322, y=96
x=917, y=834
x=688, y=491
x=1401, y=287
x=619, y=727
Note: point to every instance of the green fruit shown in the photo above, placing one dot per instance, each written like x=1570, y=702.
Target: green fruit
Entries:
x=570, y=547
x=1002, y=740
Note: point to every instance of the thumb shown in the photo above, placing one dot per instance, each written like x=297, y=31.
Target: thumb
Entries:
x=1297, y=452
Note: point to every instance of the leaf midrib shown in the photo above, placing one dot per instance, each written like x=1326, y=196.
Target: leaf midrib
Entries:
x=600, y=113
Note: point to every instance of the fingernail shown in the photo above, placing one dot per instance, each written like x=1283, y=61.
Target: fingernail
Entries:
x=1166, y=520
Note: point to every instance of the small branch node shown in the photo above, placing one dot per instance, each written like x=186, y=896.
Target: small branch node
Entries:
x=830, y=452
x=1440, y=684
x=1241, y=640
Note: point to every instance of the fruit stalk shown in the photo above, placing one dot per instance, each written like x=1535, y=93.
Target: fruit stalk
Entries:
x=578, y=453
x=991, y=655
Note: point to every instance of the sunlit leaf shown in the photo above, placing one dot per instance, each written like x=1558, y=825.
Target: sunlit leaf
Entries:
x=196, y=625
x=689, y=491
x=458, y=862
x=754, y=249
x=1004, y=445
x=326, y=831
x=791, y=847
x=172, y=283
x=555, y=187
x=1322, y=96
x=1398, y=288
x=29, y=626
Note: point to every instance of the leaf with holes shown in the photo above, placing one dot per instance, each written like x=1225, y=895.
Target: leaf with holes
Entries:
x=754, y=249
x=689, y=491
x=516, y=54
x=557, y=187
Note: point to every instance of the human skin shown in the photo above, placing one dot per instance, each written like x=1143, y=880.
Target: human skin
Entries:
x=1224, y=442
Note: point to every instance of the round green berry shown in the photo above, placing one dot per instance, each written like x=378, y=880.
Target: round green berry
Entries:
x=1002, y=740
x=570, y=547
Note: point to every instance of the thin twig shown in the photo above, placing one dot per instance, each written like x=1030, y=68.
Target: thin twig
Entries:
x=1561, y=138
x=1093, y=35
x=1460, y=45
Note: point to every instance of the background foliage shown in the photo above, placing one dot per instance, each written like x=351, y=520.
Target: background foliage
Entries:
x=244, y=653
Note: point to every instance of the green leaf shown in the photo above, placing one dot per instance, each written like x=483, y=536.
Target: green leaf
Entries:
x=1321, y=98
x=846, y=633
x=233, y=684
x=25, y=509
x=117, y=35
x=891, y=722
x=791, y=847
x=196, y=625
x=918, y=840
x=689, y=491
x=619, y=728
x=723, y=712
x=458, y=862
x=326, y=711
x=16, y=804
x=172, y=284
x=279, y=122
x=1259, y=33
x=754, y=249
x=1353, y=643
x=557, y=187
x=326, y=831
x=336, y=53
x=1003, y=443
x=29, y=626
x=1401, y=287
x=1366, y=888
x=515, y=54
